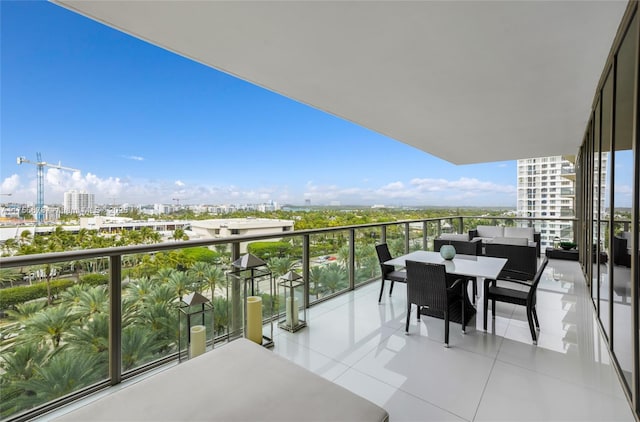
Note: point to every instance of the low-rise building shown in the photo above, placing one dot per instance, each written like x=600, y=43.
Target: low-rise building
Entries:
x=218, y=228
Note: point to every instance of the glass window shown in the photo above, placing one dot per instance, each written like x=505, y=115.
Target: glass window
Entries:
x=622, y=190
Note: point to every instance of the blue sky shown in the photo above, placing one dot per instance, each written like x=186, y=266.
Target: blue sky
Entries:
x=144, y=125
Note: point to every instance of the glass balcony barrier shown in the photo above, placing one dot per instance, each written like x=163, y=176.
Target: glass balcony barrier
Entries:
x=88, y=319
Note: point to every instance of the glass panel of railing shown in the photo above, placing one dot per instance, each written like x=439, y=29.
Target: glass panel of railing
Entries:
x=396, y=239
x=432, y=233
x=328, y=266
x=415, y=237
x=54, y=331
x=285, y=263
x=366, y=260
x=153, y=286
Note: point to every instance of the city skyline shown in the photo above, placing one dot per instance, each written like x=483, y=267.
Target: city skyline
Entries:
x=145, y=125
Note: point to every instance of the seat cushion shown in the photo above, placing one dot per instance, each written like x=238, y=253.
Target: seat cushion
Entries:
x=504, y=294
x=520, y=241
x=454, y=236
x=490, y=231
x=239, y=382
x=397, y=276
x=519, y=232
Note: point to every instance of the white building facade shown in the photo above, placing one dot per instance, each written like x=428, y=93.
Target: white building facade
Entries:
x=79, y=203
x=546, y=189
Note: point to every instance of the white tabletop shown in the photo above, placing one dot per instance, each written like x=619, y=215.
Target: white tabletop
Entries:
x=468, y=265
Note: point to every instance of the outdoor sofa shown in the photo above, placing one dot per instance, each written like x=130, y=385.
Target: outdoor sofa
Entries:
x=461, y=243
x=622, y=249
x=499, y=234
x=239, y=381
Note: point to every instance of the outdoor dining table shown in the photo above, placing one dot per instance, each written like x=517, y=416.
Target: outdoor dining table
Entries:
x=465, y=266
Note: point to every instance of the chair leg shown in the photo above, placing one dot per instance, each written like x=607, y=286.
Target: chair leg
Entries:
x=475, y=289
x=463, y=319
x=381, y=290
x=391, y=288
x=535, y=317
x=446, y=328
x=531, y=326
x=493, y=309
x=406, y=327
x=486, y=310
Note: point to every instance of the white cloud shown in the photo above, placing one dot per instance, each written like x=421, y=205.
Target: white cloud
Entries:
x=10, y=184
x=133, y=157
x=419, y=191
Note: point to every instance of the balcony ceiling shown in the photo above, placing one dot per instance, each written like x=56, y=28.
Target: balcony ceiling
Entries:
x=467, y=81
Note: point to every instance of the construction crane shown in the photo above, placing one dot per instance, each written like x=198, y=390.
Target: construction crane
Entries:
x=40, y=188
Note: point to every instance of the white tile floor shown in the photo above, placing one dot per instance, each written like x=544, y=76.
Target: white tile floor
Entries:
x=361, y=345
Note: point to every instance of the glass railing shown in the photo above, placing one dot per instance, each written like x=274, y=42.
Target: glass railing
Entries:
x=74, y=322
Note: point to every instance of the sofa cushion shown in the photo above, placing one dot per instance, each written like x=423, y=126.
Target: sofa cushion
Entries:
x=240, y=381
x=519, y=232
x=490, y=231
x=627, y=236
x=520, y=241
x=454, y=236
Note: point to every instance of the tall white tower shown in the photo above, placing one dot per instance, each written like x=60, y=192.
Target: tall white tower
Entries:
x=79, y=202
x=546, y=189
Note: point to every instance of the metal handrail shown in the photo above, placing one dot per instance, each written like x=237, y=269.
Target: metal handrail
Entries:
x=47, y=258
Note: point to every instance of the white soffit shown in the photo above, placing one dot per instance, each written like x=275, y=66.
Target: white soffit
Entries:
x=467, y=81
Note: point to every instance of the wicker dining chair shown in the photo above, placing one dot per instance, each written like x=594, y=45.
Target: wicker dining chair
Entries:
x=427, y=288
x=495, y=293
x=522, y=261
x=388, y=272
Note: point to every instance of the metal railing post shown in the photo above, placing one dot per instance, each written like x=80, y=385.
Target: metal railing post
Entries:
x=115, y=319
x=306, y=264
x=406, y=237
x=383, y=234
x=425, y=237
x=352, y=259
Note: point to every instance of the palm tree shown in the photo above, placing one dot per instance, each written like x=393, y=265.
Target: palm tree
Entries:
x=92, y=301
x=138, y=346
x=24, y=311
x=180, y=283
x=19, y=366
x=64, y=373
x=343, y=255
x=179, y=234
x=335, y=278
x=9, y=275
x=10, y=246
x=316, y=276
x=91, y=338
x=214, y=276
x=139, y=290
x=197, y=273
x=49, y=325
x=280, y=266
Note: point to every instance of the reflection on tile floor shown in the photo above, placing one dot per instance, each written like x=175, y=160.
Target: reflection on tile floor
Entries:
x=484, y=376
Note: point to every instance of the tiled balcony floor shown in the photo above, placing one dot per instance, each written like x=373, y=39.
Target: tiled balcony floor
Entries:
x=361, y=345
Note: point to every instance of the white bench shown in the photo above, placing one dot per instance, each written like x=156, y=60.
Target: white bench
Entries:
x=240, y=381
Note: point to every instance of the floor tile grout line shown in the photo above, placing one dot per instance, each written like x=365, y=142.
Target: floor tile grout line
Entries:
x=409, y=394
x=486, y=384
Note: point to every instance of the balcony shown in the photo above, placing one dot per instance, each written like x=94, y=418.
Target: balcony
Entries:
x=356, y=343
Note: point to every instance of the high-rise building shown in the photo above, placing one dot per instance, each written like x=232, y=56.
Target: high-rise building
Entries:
x=546, y=189
x=79, y=202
